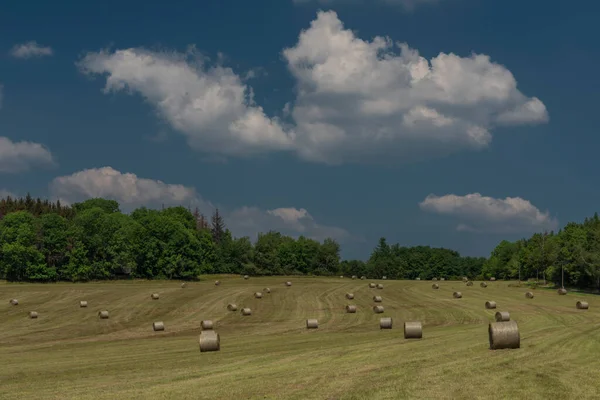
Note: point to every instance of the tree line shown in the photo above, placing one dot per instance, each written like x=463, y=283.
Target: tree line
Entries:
x=43, y=241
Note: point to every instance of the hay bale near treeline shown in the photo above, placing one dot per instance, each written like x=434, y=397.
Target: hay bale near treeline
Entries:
x=350, y=309
x=246, y=311
x=435, y=286
x=33, y=314
x=378, y=309
x=372, y=285
x=377, y=299
x=183, y=285
x=469, y=283
x=349, y=296
x=155, y=296
x=103, y=314
x=418, y=278
x=529, y=295
x=363, y=277
x=502, y=316
x=490, y=305
x=312, y=324
x=379, y=286
x=217, y=283
x=267, y=290
x=465, y=279
x=384, y=277
x=457, y=295
x=209, y=341
x=14, y=302
x=413, y=330
x=206, y=325
x=354, y=276
x=83, y=304
x=442, y=279
x=232, y=307
x=246, y=277
x=483, y=284
x=434, y=279
x=562, y=291
x=492, y=279
x=385, y=323
x=582, y=305
x=158, y=326
x=258, y=295
x=288, y=283
x=504, y=335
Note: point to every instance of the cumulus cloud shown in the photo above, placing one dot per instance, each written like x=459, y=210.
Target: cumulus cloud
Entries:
x=211, y=106
x=357, y=100
x=21, y=156
x=487, y=214
x=132, y=191
x=30, y=49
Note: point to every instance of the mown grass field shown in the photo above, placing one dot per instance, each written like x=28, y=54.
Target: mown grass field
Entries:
x=69, y=353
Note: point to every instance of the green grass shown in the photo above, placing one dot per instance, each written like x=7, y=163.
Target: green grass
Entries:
x=68, y=352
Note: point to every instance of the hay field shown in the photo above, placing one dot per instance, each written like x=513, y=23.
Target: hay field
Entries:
x=69, y=353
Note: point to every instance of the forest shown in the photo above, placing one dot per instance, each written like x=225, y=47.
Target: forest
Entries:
x=44, y=241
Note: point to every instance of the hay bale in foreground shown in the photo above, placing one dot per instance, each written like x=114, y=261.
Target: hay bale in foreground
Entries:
x=457, y=295
x=288, y=283
x=209, y=341
x=529, y=295
x=232, y=307
x=258, y=295
x=217, y=283
x=246, y=311
x=413, y=330
x=350, y=309
x=155, y=296
x=502, y=316
x=469, y=283
x=562, y=291
x=372, y=285
x=158, y=326
x=385, y=323
x=378, y=309
x=83, y=304
x=312, y=324
x=267, y=290
x=490, y=305
x=377, y=299
x=14, y=302
x=435, y=286
x=206, y=325
x=103, y=314
x=379, y=286
x=483, y=284
x=33, y=314
x=349, y=296
x=504, y=335
x=582, y=305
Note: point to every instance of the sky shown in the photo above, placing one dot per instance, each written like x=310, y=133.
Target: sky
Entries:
x=448, y=123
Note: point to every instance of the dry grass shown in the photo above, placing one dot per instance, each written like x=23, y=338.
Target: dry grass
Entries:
x=69, y=353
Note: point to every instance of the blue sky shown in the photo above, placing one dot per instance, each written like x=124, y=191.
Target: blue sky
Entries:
x=453, y=123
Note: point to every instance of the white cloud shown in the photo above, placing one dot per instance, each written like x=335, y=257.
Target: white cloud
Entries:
x=5, y=193
x=488, y=214
x=357, y=101
x=21, y=156
x=31, y=49
x=211, y=106
x=132, y=191
x=362, y=101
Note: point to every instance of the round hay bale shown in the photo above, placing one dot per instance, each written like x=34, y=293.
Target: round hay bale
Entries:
x=384, y=277
x=529, y=295
x=103, y=314
x=385, y=323
x=33, y=314
x=490, y=305
x=363, y=277
x=413, y=330
x=158, y=326
x=418, y=278
x=246, y=277
x=457, y=295
x=209, y=341
x=434, y=279
x=502, y=316
x=246, y=311
x=492, y=279
x=183, y=285
x=378, y=309
x=341, y=276
x=377, y=299
x=155, y=296
x=562, y=291
x=258, y=295
x=349, y=296
x=267, y=290
x=504, y=335
x=232, y=307
x=350, y=309
x=465, y=279
x=483, y=284
x=582, y=305
x=372, y=285
x=354, y=276
x=435, y=286
x=288, y=283
x=14, y=302
x=442, y=279
x=217, y=283
x=206, y=325
x=379, y=286
x=469, y=283
x=312, y=324
x=83, y=304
